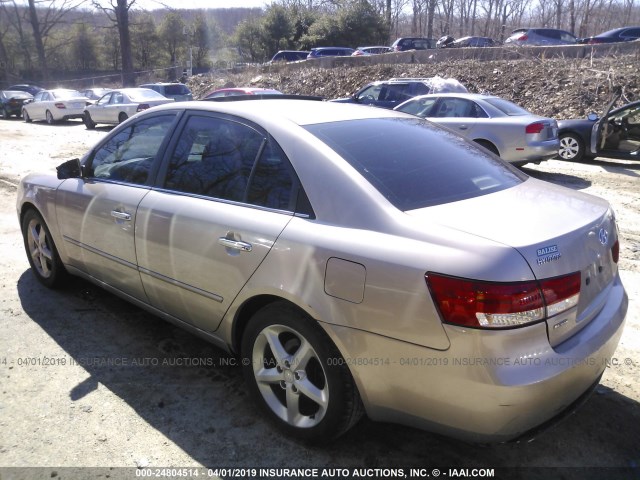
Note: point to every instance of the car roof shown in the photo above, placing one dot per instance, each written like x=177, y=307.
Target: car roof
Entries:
x=299, y=112
x=470, y=96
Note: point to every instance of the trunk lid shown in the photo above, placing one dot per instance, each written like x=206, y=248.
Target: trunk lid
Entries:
x=556, y=230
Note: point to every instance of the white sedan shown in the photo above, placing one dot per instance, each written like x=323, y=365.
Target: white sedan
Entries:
x=118, y=105
x=55, y=105
x=502, y=127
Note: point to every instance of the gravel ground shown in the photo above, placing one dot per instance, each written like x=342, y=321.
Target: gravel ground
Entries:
x=61, y=406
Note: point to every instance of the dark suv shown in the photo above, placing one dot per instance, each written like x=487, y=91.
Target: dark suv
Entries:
x=413, y=43
x=391, y=93
x=178, y=91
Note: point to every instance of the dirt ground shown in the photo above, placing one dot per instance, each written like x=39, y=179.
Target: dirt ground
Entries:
x=62, y=407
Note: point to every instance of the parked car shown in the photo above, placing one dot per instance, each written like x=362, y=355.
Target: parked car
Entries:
x=290, y=56
x=502, y=127
x=624, y=34
x=95, y=93
x=178, y=91
x=615, y=135
x=365, y=51
x=391, y=93
x=413, y=43
x=473, y=42
x=235, y=91
x=54, y=106
x=11, y=102
x=334, y=248
x=540, y=36
x=330, y=52
x=118, y=105
x=32, y=89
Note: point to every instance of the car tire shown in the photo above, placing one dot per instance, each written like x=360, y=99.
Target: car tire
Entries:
x=571, y=147
x=41, y=251
x=26, y=116
x=5, y=114
x=49, y=118
x=295, y=373
x=122, y=117
x=88, y=122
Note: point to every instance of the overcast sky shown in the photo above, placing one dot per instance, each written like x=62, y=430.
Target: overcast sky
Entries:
x=153, y=4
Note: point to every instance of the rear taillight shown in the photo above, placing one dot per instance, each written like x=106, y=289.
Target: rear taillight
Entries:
x=142, y=106
x=60, y=105
x=524, y=38
x=536, y=127
x=480, y=304
x=615, y=251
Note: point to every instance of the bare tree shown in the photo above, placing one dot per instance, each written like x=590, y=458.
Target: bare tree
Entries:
x=44, y=15
x=118, y=13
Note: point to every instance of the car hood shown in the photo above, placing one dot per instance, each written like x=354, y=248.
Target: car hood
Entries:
x=557, y=231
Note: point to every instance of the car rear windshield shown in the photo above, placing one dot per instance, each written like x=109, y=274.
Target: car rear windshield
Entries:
x=145, y=94
x=507, y=107
x=414, y=163
x=177, y=89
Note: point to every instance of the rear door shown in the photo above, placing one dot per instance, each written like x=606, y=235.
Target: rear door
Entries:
x=201, y=237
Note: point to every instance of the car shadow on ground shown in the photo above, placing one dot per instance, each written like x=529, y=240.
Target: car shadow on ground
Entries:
x=193, y=393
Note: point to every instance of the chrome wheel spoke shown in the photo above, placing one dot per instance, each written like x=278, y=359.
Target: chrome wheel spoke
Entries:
x=294, y=417
x=268, y=376
x=313, y=393
x=302, y=356
x=280, y=354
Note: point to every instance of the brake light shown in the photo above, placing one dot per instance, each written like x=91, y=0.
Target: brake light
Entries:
x=533, y=128
x=523, y=37
x=615, y=251
x=480, y=304
x=60, y=105
x=142, y=106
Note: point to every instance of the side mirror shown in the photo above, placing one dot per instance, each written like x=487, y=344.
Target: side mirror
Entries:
x=593, y=116
x=69, y=169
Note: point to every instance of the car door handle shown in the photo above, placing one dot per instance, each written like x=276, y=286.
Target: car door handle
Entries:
x=121, y=215
x=463, y=127
x=235, y=244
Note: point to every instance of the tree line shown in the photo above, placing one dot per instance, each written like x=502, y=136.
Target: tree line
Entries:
x=42, y=40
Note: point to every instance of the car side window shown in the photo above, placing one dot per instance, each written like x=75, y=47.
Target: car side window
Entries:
x=105, y=100
x=273, y=181
x=214, y=157
x=455, y=108
x=129, y=155
x=370, y=93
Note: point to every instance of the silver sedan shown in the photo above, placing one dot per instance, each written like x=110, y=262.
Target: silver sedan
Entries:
x=118, y=105
x=356, y=259
x=506, y=129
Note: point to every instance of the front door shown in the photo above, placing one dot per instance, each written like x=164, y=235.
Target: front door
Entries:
x=97, y=214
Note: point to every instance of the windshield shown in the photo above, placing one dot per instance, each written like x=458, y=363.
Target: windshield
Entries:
x=507, y=107
x=414, y=163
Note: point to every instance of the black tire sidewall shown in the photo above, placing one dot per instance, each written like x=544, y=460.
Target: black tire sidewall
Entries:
x=337, y=375
x=58, y=272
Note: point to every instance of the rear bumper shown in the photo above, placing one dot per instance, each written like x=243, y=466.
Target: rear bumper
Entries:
x=535, y=152
x=489, y=386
